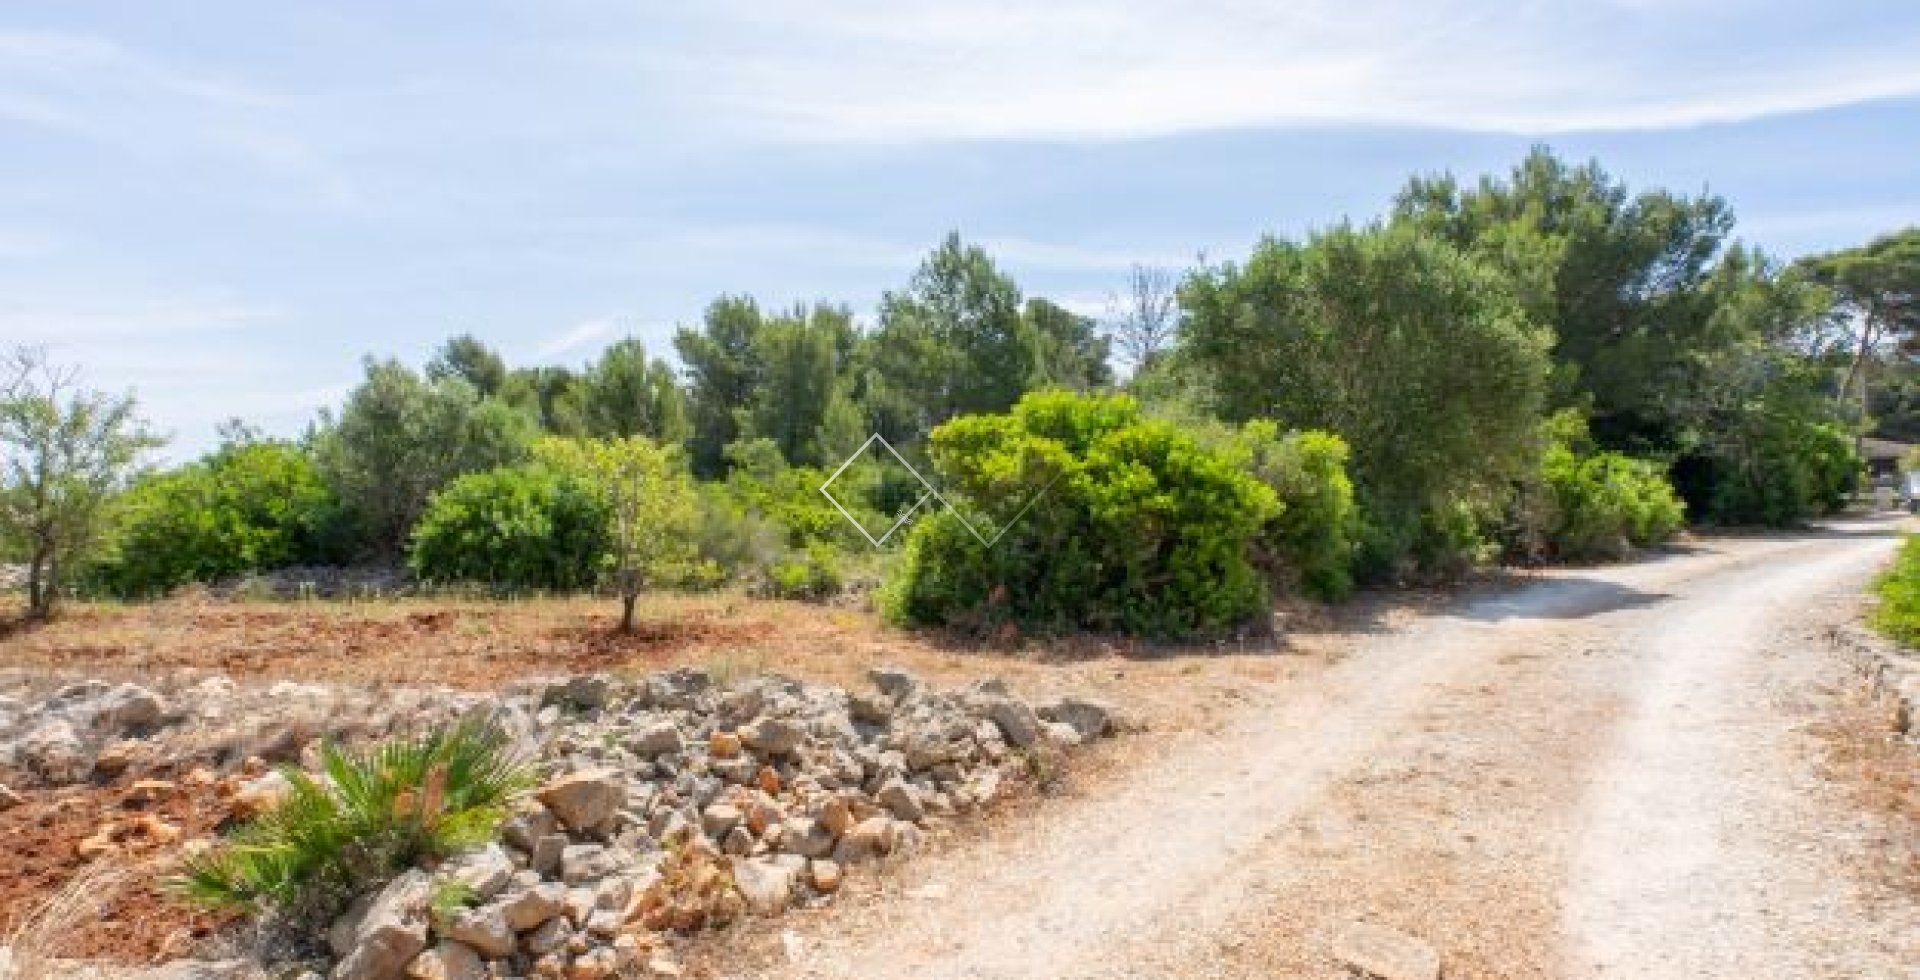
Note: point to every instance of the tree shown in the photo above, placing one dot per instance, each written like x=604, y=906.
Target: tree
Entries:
x=803, y=403
x=1143, y=320
x=466, y=358
x=648, y=497
x=625, y=394
x=723, y=372
x=65, y=450
x=1416, y=355
x=400, y=438
x=1878, y=288
x=1072, y=354
x=1620, y=277
x=554, y=395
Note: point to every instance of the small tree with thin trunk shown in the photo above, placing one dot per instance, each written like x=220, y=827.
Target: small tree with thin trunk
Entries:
x=1144, y=320
x=650, y=499
x=64, y=452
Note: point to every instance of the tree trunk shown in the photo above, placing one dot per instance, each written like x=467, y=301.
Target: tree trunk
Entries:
x=40, y=586
x=627, y=599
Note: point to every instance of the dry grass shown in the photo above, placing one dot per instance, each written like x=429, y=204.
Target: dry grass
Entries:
x=39, y=939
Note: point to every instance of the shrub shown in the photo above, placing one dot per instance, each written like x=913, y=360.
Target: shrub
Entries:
x=1776, y=469
x=372, y=814
x=1098, y=518
x=1898, y=614
x=810, y=574
x=526, y=527
x=1600, y=504
x=1310, y=543
x=247, y=507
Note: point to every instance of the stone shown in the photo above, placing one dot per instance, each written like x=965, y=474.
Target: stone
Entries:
x=719, y=820
x=535, y=906
x=737, y=842
x=594, y=964
x=738, y=771
x=1386, y=953
x=605, y=923
x=582, y=864
x=483, y=873
x=585, y=800
x=1060, y=733
x=723, y=744
x=53, y=749
x=836, y=816
x=485, y=929
x=901, y=800
x=9, y=799
x=1016, y=720
x=1090, y=719
x=824, y=876
x=527, y=826
x=772, y=736
x=874, y=709
x=548, y=936
x=893, y=682
x=448, y=961
x=871, y=838
x=655, y=738
x=678, y=689
x=257, y=796
x=768, y=780
x=391, y=933
x=547, y=853
x=767, y=886
x=806, y=837
x=585, y=692
x=118, y=757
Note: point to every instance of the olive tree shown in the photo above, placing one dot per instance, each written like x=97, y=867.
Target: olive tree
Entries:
x=649, y=499
x=66, y=450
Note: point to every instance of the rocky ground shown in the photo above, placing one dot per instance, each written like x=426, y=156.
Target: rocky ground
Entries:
x=672, y=803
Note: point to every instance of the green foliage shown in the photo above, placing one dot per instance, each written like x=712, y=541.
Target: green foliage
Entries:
x=521, y=527
x=810, y=574
x=1776, y=469
x=370, y=814
x=649, y=500
x=64, y=453
x=1417, y=356
x=1599, y=504
x=248, y=506
x=400, y=438
x=625, y=394
x=1311, y=543
x=1106, y=520
x=1898, y=614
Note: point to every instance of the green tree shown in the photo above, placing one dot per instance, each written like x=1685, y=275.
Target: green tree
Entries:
x=625, y=394
x=556, y=396
x=399, y=438
x=249, y=505
x=1878, y=287
x=1414, y=354
x=1620, y=277
x=803, y=403
x=650, y=501
x=1073, y=354
x=724, y=372
x=64, y=452
x=528, y=526
x=466, y=358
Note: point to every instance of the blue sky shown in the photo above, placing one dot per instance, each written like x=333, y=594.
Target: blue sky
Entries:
x=225, y=205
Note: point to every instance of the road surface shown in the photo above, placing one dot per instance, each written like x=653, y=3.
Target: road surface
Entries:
x=1602, y=773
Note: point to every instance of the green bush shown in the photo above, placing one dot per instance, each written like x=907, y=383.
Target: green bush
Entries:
x=1898, y=614
x=523, y=527
x=370, y=814
x=1098, y=518
x=1777, y=469
x=1310, y=543
x=810, y=574
x=1601, y=504
x=247, y=507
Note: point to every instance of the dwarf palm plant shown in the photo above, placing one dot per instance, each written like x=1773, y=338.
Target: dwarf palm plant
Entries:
x=371, y=813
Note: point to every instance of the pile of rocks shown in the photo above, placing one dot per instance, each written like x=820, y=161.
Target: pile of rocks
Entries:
x=672, y=803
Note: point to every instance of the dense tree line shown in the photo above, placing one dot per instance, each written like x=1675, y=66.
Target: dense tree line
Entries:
x=1537, y=365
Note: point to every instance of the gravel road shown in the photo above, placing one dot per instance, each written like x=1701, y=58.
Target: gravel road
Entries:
x=1600, y=773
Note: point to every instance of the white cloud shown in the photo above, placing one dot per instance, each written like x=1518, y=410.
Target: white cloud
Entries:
x=578, y=336
x=53, y=321
x=903, y=70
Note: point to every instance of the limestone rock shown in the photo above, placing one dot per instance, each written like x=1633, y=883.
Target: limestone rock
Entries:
x=1090, y=719
x=391, y=933
x=448, y=961
x=585, y=800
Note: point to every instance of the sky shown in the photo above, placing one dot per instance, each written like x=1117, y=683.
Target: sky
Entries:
x=224, y=206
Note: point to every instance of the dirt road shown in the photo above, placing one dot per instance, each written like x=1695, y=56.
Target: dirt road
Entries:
x=1604, y=773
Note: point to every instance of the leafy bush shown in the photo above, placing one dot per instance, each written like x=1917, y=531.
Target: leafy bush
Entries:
x=1898, y=614
x=374, y=813
x=527, y=527
x=1099, y=518
x=1777, y=469
x=1600, y=504
x=247, y=507
x=1311, y=541
x=810, y=574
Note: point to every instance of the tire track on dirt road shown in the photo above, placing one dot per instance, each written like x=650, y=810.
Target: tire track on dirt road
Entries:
x=1146, y=880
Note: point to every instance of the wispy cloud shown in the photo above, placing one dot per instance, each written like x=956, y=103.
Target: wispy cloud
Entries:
x=578, y=336
x=67, y=321
x=907, y=70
